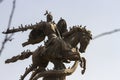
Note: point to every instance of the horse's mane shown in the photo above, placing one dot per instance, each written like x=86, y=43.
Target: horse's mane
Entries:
x=80, y=28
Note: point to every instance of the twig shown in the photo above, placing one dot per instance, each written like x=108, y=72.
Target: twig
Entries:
x=1, y=1
x=106, y=33
x=8, y=38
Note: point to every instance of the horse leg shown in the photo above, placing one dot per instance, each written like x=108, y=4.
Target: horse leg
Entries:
x=83, y=65
x=58, y=65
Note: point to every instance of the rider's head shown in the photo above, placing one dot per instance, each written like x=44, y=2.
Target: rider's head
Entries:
x=48, y=16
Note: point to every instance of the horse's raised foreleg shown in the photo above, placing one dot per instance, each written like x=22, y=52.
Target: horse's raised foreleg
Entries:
x=82, y=61
x=83, y=65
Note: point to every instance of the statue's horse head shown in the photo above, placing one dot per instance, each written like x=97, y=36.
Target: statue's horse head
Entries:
x=84, y=38
x=76, y=35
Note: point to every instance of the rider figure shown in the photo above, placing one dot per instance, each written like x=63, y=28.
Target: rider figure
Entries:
x=52, y=30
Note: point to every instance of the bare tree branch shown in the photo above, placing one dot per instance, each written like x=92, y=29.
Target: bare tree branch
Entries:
x=106, y=33
x=1, y=1
x=8, y=37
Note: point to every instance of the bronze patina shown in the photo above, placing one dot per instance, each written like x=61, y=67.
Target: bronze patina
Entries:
x=61, y=47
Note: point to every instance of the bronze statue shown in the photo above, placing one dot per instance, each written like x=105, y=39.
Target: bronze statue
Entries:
x=61, y=47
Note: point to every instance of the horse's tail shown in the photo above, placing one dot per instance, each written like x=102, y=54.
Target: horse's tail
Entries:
x=22, y=56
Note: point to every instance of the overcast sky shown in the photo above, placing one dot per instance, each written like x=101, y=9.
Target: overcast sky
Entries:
x=102, y=54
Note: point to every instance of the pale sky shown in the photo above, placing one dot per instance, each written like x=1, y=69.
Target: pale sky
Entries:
x=102, y=54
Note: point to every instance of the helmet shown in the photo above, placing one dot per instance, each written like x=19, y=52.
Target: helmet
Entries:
x=49, y=17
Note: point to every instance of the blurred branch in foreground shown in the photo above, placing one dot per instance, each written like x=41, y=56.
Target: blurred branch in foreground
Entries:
x=106, y=33
x=1, y=1
x=8, y=38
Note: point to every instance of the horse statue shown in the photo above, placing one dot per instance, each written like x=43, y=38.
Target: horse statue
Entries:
x=61, y=47
x=77, y=34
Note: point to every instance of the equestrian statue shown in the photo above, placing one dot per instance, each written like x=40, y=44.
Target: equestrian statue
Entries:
x=60, y=47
